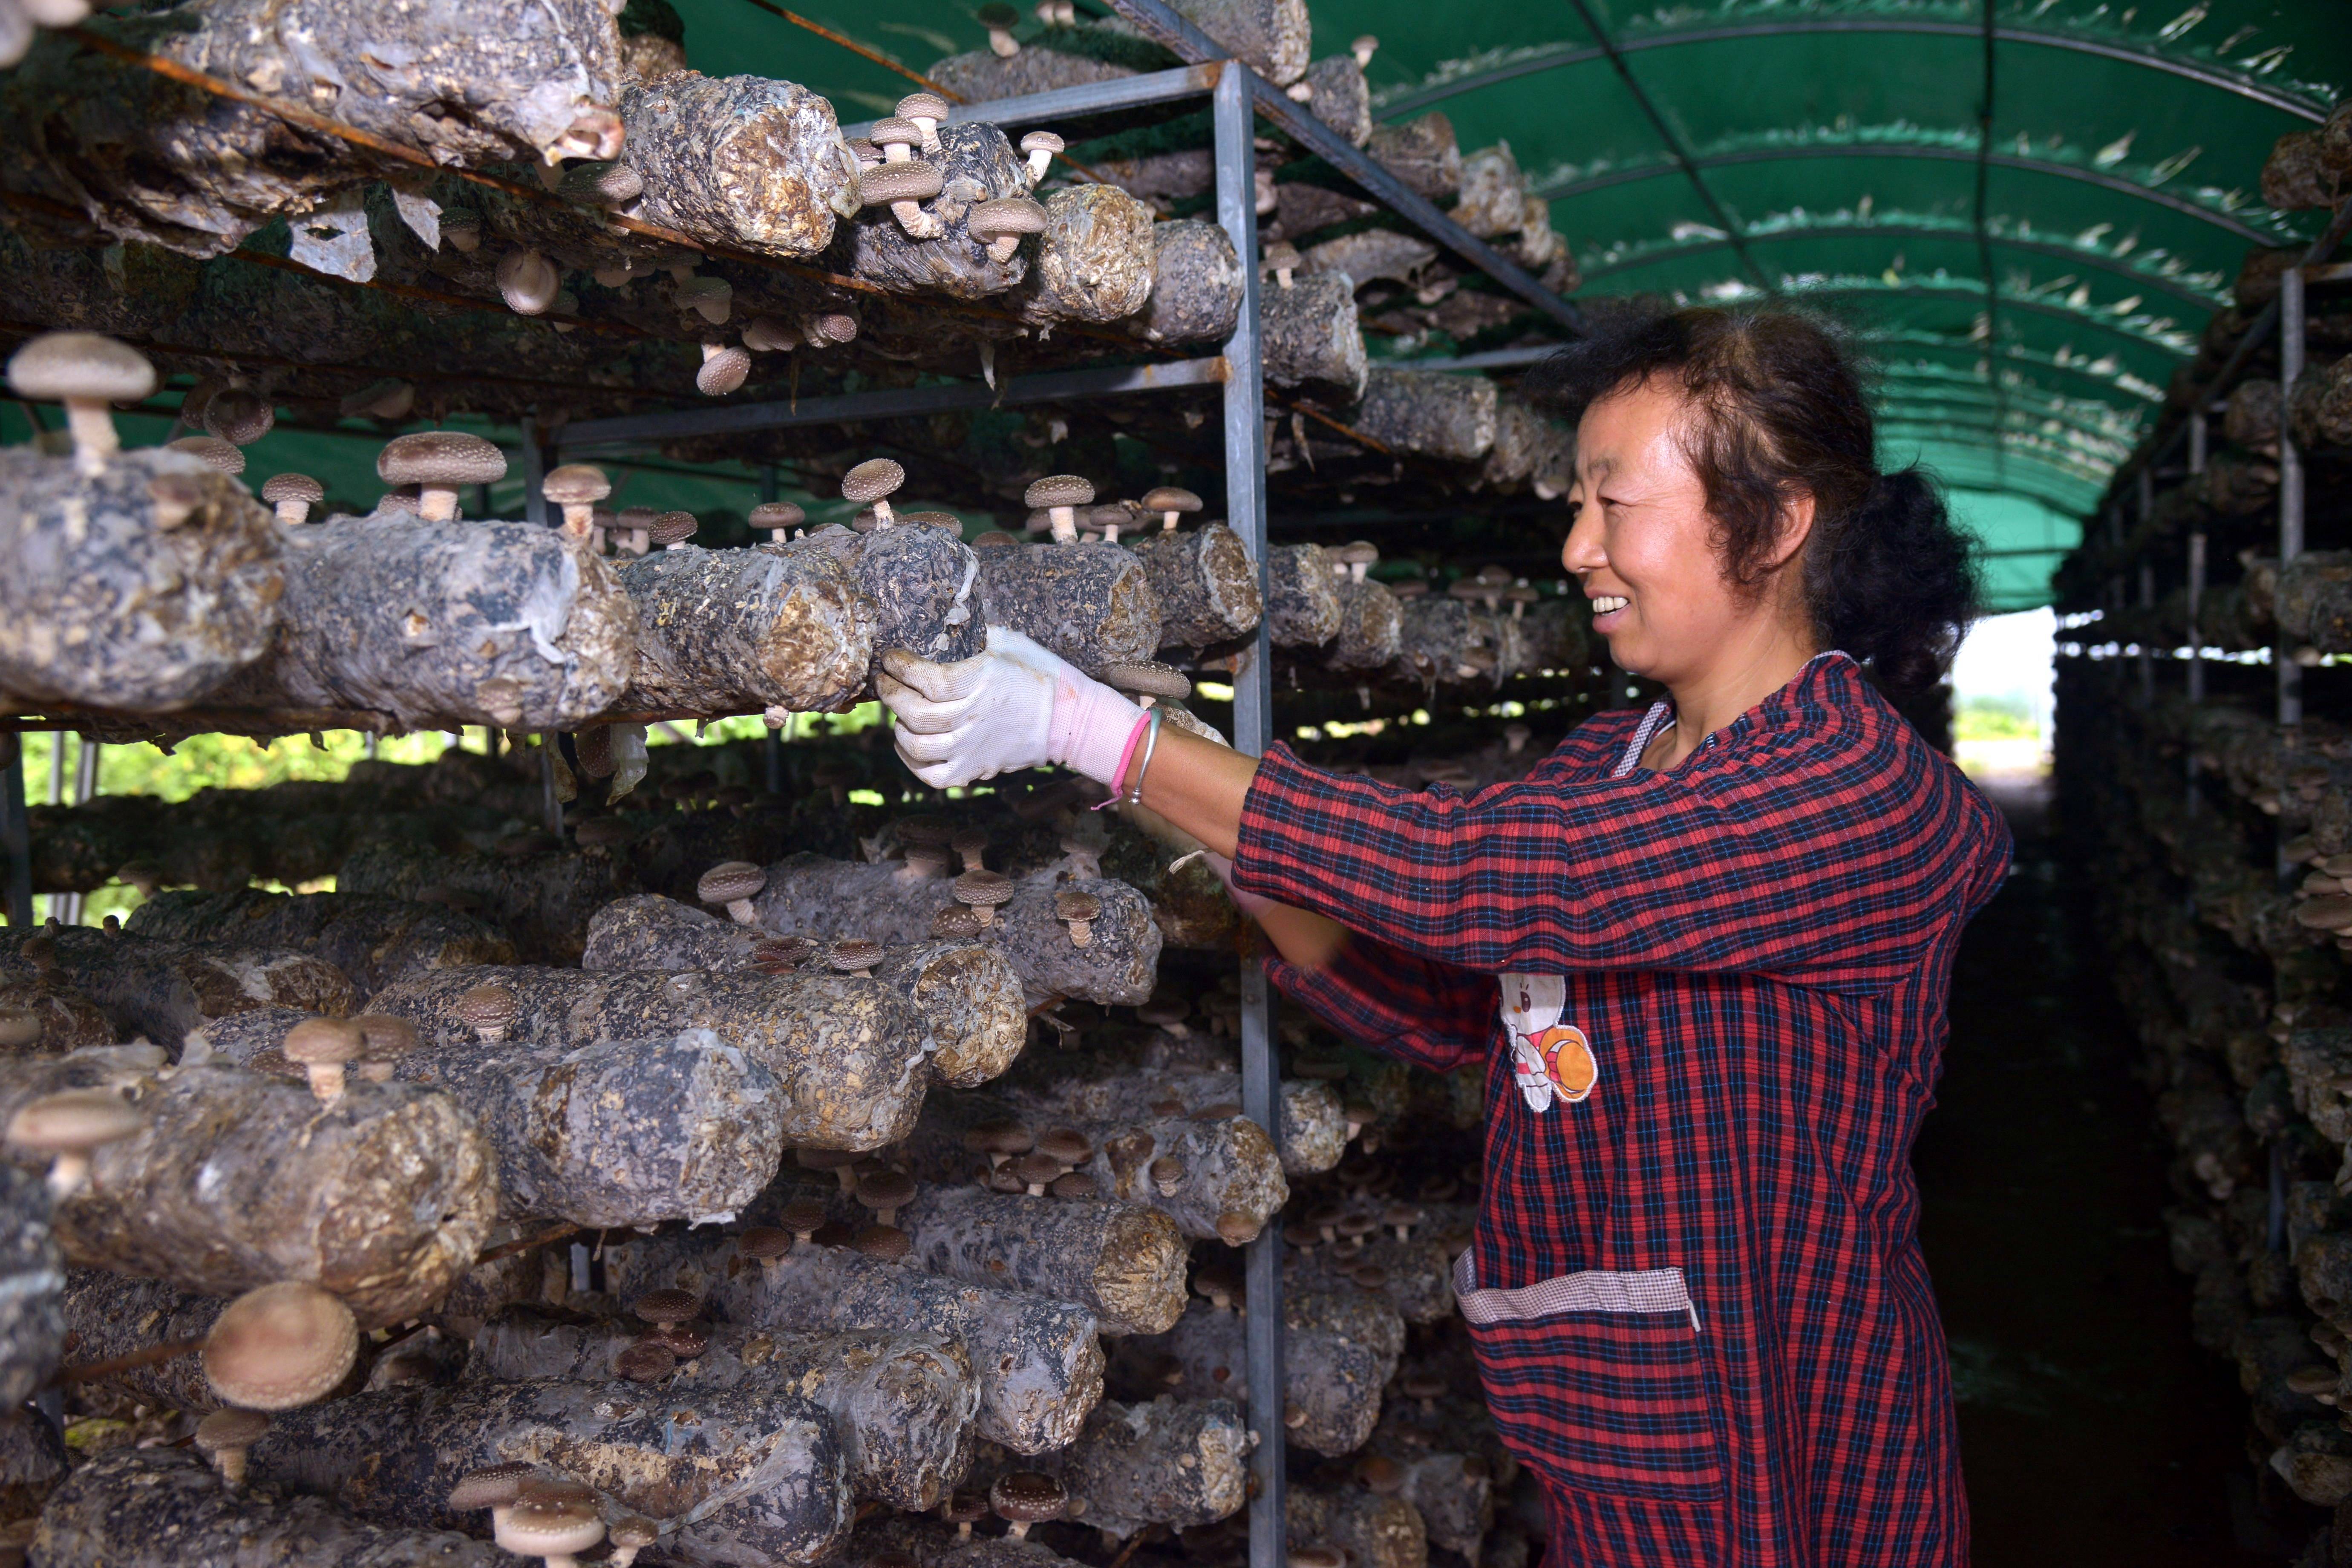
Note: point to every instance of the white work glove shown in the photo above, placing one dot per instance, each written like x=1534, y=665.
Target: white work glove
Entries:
x=1016, y=706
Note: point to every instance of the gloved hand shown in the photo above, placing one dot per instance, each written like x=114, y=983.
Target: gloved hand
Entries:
x=1016, y=706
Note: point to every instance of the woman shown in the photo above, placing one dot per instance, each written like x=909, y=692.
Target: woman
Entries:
x=1705, y=952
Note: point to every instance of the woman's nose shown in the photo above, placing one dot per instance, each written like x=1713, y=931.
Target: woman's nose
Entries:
x=1581, y=551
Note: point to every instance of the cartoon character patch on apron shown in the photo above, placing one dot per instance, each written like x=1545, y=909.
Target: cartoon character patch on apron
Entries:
x=1550, y=1058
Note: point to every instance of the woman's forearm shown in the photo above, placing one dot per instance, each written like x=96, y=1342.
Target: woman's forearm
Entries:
x=1199, y=786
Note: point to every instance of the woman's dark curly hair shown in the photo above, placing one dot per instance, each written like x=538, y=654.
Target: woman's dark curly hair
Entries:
x=1778, y=410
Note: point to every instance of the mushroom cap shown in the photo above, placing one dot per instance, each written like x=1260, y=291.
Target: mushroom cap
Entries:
x=1027, y=1497
x=1075, y=904
x=1058, y=489
x=896, y=130
x=292, y=487
x=1282, y=252
x=971, y=841
x=777, y=514
x=965, y=1508
x=1004, y=215
x=672, y=528
x=1424, y=1386
x=1402, y=1214
x=74, y=1120
x=1167, y=1168
x=1355, y=550
x=882, y=1243
x=983, y=890
x=644, y=1361
x=238, y=416
x=440, y=457
x=836, y=326
x=872, y=479
x=802, y=1214
x=923, y=106
x=762, y=1242
x=926, y=829
x=1042, y=141
x=1235, y=1228
x=635, y=1531
x=1074, y=1184
x=946, y=520
x=783, y=950
x=599, y=830
x=1410, y=588
x=57, y=365
x=1380, y=1472
x=1001, y=1136
x=1066, y=1144
x=637, y=517
x=492, y=1486
x=221, y=456
x=1148, y=676
x=1317, y=1557
x=723, y=372
x=1171, y=498
x=913, y=181
x=1036, y=1169
x=729, y=881
x=669, y=1305
x=955, y=923
x=885, y=1189
x=280, y=1346
x=855, y=952
x=19, y=1027
x=543, y=1526
x=324, y=1042
x=382, y=1034
x=487, y=1007
x=574, y=483
x=230, y=1429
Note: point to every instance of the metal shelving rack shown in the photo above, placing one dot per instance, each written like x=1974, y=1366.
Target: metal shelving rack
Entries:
x=1238, y=98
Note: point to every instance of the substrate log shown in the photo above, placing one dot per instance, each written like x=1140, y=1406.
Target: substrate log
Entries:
x=543, y=901
x=1303, y=608
x=1375, y=1531
x=69, y=1020
x=236, y=1180
x=375, y=941
x=109, y=1315
x=1124, y=1263
x=1196, y=285
x=1311, y=337
x=1069, y=56
x=1528, y=449
x=731, y=630
x=32, y=1281
x=1039, y=1362
x=1421, y=152
x=809, y=896
x=1314, y=1126
x=1371, y=628
x=742, y=159
x=967, y=989
x=1094, y=259
x=1092, y=603
x=1190, y=907
x=444, y=624
x=2314, y=599
x=847, y=1053
x=1436, y=642
x=922, y=583
x=1415, y=1275
x=1493, y=198
x=1428, y=413
x=1340, y=1351
x=902, y=1404
x=1368, y=255
x=976, y=164
x=33, y=1460
x=1343, y=99
x=161, y=989
x=1453, y=1493
x=934, y=1544
x=739, y=1476
x=1179, y=1462
x=148, y=158
x=165, y=1508
x=141, y=588
x=1206, y=585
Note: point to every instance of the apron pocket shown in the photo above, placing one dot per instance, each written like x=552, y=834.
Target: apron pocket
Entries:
x=1596, y=1381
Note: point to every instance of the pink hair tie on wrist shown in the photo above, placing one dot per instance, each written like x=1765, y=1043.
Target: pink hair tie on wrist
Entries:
x=1126, y=756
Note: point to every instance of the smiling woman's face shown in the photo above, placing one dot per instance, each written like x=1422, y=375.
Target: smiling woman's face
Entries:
x=1642, y=543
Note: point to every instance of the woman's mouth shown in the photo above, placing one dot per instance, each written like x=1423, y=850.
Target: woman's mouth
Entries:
x=1605, y=606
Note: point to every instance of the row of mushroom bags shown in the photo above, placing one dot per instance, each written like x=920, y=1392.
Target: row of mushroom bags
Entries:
x=884, y=1204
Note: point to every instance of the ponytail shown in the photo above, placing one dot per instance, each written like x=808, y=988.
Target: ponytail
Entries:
x=1893, y=582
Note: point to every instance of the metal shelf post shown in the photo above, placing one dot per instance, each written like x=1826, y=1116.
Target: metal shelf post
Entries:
x=2290, y=674
x=1236, y=163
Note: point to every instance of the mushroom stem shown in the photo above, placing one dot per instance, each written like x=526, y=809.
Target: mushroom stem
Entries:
x=883, y=516
x=293, y=513
x=579, y=520
x=896, y=151
x=636, y=545
x=1039, y=162
x=739, y=911
x=1282, y=276
x=438, y=503
x=91, y=421
x=70, y=1174
x=326, y=1080
x=918, y=223
x=1167, y=521
x=1019, y=1528
x=1066, y=525
x=1081, y=932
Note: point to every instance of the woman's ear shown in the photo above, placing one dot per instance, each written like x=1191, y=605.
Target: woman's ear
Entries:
x=1796, y=525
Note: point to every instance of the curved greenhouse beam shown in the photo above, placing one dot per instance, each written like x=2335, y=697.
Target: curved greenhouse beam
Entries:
x=1976, y=291
x=1580, y=54
x=1984, y=433
x=1984, y=415
x=1676, y=249
x=2116, y=184
x=1935, y=395
x=1928, y=342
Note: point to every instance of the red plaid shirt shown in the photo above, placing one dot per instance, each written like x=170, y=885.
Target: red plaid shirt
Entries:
x=1711, y=1003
